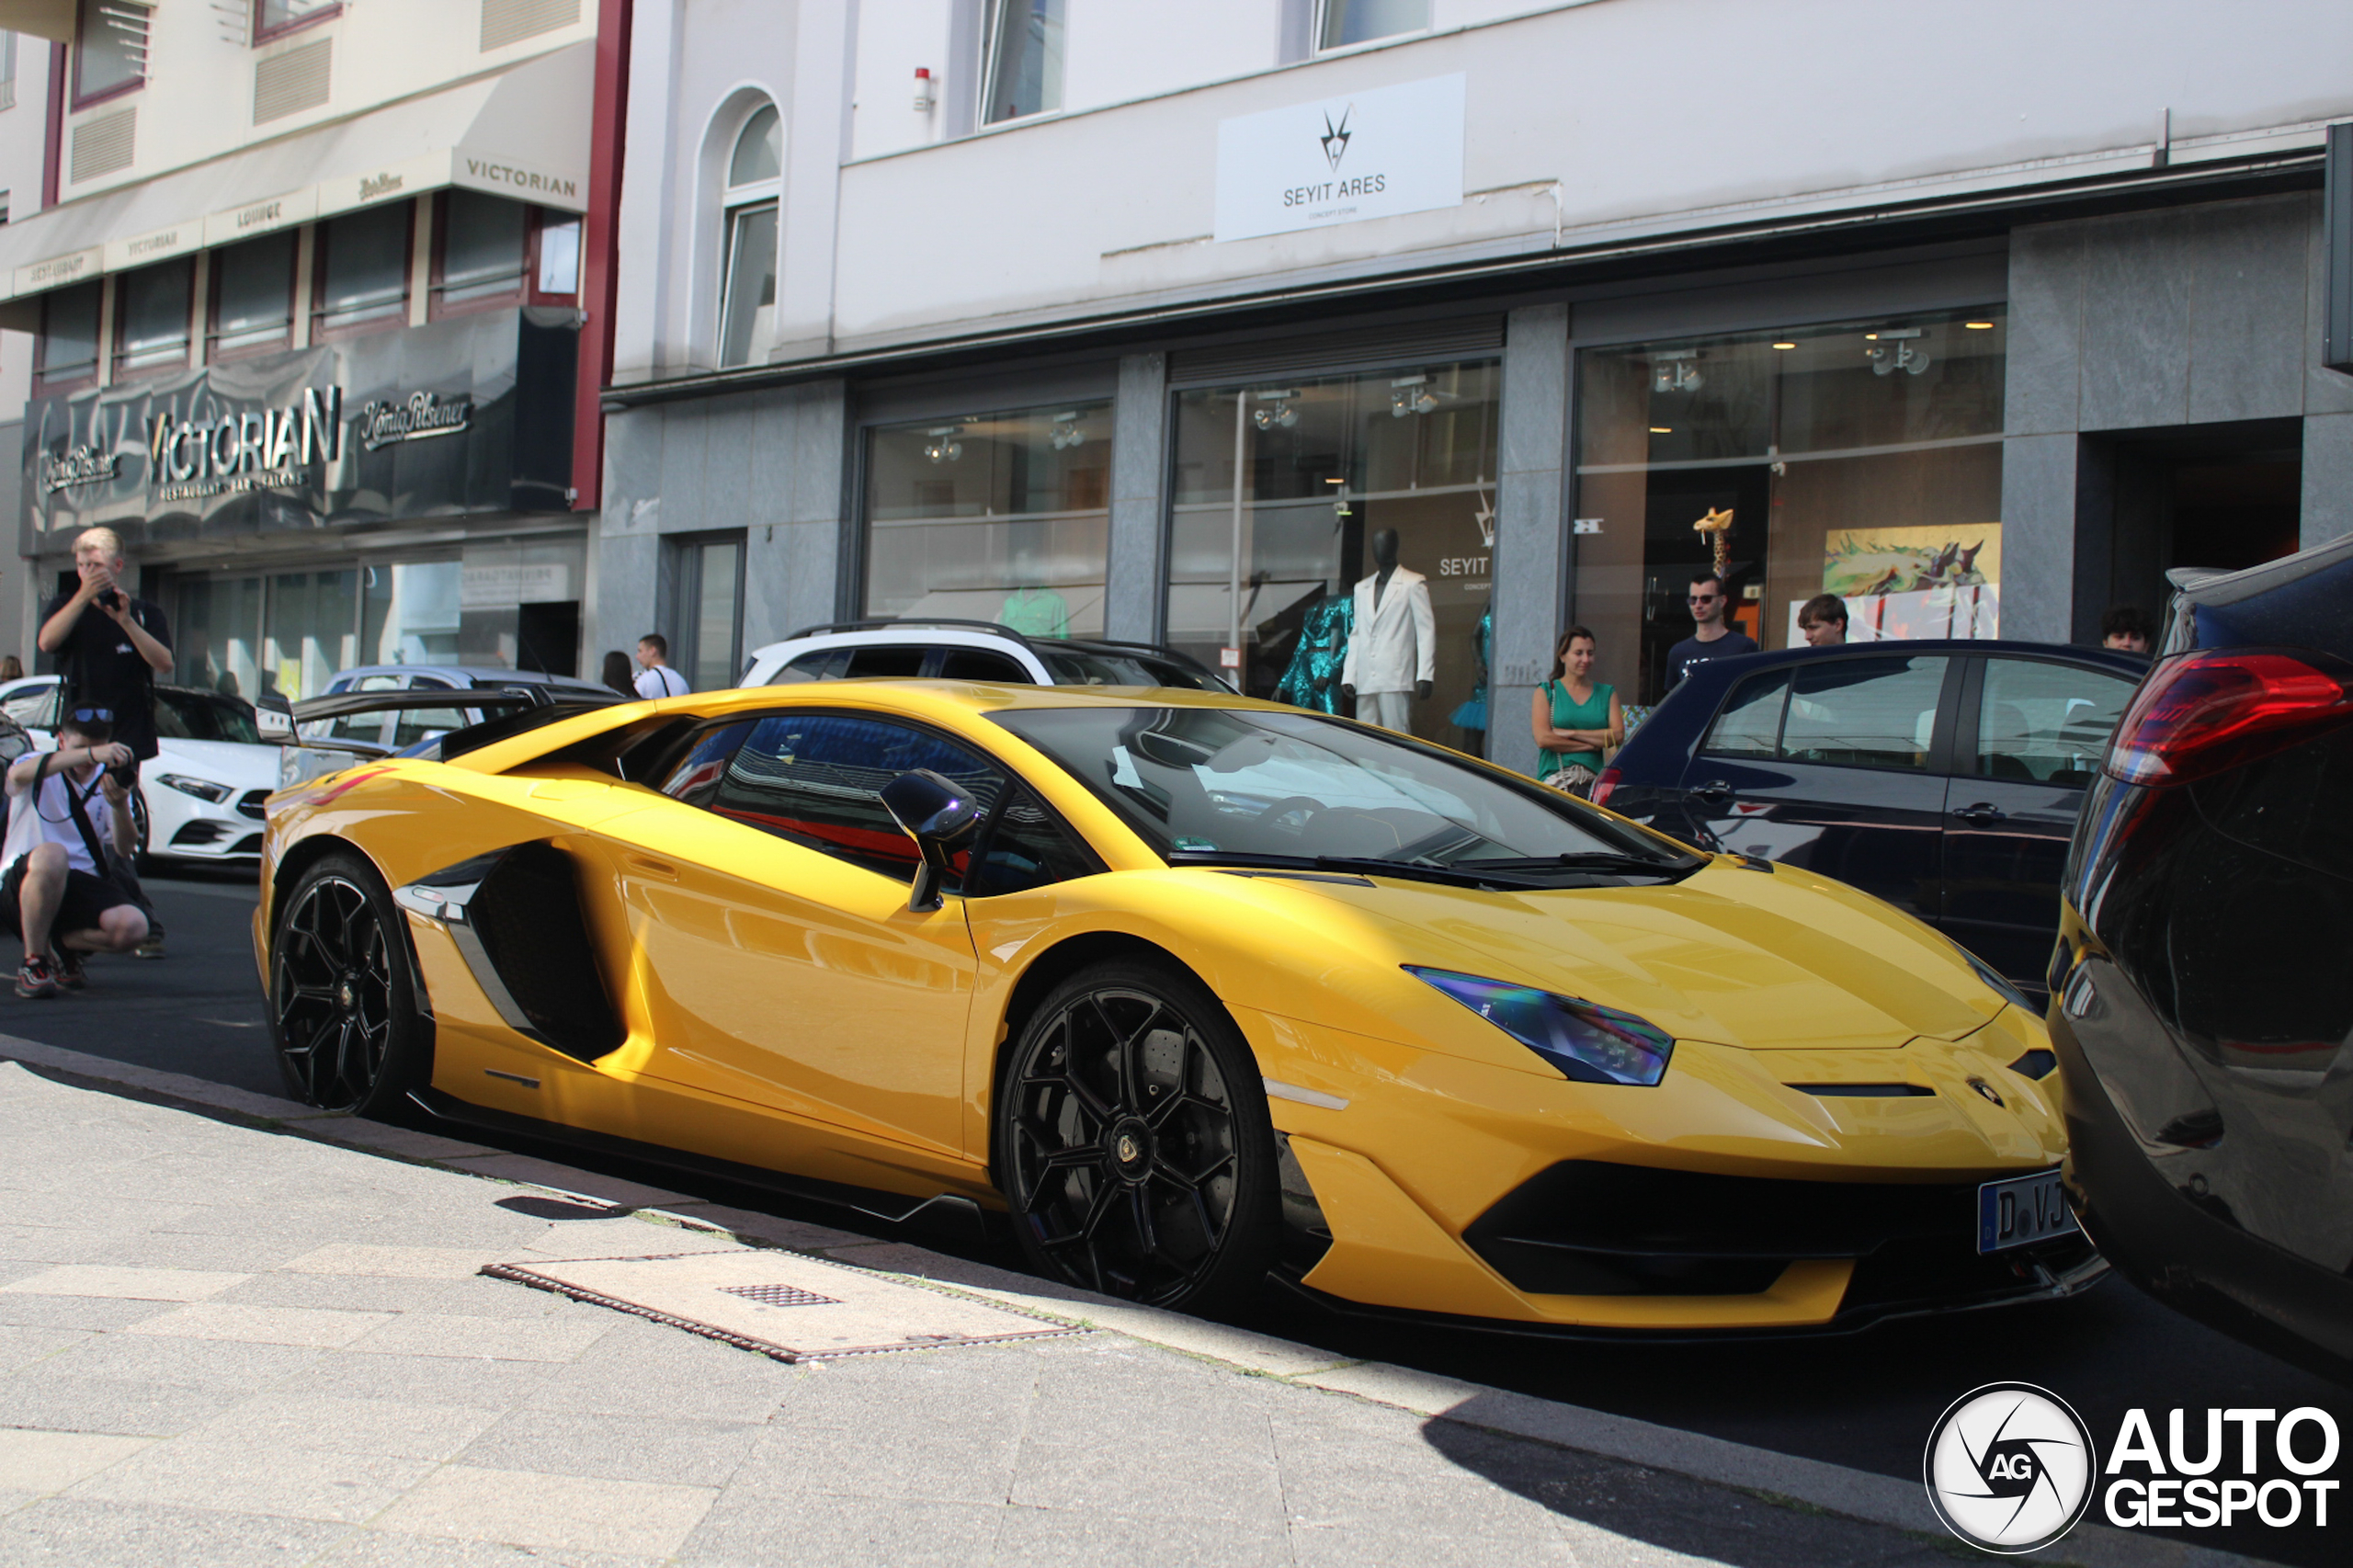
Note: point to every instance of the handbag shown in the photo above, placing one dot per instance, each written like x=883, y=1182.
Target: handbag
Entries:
x=1572, y=778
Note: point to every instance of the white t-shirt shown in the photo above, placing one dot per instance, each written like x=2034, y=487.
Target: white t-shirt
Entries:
x=41, y=815
x=661, y=680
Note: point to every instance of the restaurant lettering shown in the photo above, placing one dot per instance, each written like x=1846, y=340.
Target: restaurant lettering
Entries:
x=421, y=417
x=190, y=459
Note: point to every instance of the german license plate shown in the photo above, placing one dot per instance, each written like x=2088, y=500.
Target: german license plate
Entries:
x=2024, y=1208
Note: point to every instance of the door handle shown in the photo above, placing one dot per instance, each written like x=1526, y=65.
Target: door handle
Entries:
x=1979, y=813
x=1714, y=790
x=647, y=866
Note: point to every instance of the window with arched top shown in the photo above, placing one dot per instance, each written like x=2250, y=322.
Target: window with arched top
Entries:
x=747, y=282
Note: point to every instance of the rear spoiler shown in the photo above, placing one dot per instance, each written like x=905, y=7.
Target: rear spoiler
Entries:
x=504, y=703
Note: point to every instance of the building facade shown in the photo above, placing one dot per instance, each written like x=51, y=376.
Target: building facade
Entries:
x=294, y=295
x=1072, y=314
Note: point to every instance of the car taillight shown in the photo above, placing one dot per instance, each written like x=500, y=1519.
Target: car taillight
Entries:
x=2207, y=712
x=1604, y=786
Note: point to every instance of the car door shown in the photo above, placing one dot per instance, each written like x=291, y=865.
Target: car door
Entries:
x=2029, y=740
x=778, y=961
x=1835, y=764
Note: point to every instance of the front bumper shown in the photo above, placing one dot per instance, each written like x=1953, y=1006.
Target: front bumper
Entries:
x=186, y=827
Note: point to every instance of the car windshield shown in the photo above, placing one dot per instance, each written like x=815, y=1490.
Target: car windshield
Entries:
x=1244, y=786
x=1089, y=667
x=199, y=716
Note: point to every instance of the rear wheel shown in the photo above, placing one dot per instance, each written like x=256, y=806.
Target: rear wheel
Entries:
x=1133, y=1143
x=343, y=1005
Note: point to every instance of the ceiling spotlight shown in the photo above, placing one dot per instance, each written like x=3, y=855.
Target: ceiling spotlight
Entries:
x=942, y=447
x=1281, y=416
x=1662, y=429
x=1905, y=355
x=1066, y=433
x=1410, y=396
x=1676, y=373
x=1978, y=325
x=1785, y=346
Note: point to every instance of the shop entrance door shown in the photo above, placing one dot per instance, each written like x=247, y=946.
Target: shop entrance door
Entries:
x=2218, y=496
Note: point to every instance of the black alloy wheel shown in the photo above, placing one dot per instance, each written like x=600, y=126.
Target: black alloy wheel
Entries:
x=343, y=1005
x=1133, y=1143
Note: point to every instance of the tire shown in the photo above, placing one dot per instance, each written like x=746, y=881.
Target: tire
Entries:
x=343, y=998
x=142, y=860
x=1132, y=1142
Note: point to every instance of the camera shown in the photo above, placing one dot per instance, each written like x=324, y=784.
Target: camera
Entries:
x=123, y=774
x=111, y=598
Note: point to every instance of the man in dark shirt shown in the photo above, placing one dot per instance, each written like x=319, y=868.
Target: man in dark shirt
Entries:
x=110, y=649
x=1710, y=638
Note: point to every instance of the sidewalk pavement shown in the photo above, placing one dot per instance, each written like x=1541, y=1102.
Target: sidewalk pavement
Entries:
x=236, y=1331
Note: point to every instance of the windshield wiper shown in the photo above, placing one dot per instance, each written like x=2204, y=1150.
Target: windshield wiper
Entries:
x=1359, y=865
x=1597, y=861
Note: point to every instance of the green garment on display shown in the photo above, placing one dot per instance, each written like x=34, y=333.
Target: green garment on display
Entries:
x=1473, y=715
x=1313, y=681
x=1036, y=612
x=1568, y=713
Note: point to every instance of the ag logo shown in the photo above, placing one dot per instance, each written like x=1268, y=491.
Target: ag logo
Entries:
x=2009, y=1468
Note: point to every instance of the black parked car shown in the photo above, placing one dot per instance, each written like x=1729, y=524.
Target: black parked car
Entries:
x=1943, y=777
x=2203, y=984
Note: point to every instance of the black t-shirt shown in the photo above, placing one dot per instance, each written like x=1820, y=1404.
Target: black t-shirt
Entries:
x=1690, y=653
x=103, y=670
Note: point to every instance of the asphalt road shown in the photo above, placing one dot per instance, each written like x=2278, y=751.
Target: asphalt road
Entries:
x=1865, y=1401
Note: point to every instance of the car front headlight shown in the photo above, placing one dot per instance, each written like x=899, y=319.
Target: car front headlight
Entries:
x=202, y=789
x=1588, y=1042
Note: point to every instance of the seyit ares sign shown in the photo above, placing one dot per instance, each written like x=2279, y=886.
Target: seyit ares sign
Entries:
x=1374, y=153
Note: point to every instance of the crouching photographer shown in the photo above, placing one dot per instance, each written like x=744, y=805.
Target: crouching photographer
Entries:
x=65, y=807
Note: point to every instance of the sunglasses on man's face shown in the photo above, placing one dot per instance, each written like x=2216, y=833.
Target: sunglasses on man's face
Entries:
x=92, y=715
x=1704, y=598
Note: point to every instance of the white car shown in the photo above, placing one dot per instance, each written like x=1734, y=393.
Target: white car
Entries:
x=201, y=797
x=969, y=650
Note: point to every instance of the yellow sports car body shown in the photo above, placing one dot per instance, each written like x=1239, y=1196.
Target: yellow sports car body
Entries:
x=1193, y=989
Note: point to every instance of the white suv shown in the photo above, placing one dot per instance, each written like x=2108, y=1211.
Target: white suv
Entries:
x=969, y=650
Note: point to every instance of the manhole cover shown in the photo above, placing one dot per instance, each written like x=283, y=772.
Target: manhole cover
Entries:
x=781, y=1295
x=787, y=1305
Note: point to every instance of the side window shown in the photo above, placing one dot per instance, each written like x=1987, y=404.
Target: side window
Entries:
x=816, y=778
x=35, y=706
x=889, y=660
x=2046, y=722
x=825, y=663
x=1864, y=712
x=1027, y=849
x=696, y=779
x=1750, y=725
x=980, y=664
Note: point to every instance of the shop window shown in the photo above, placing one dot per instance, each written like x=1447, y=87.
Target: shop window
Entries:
x=482, y=257
x=109, y=49
x=275, y=19
x=1863, y=460
x=1023, y=71
x=707, y=610
x=1276, y=558
x=1361, y=21
x=557, y=266
x=152, y=308
x=69, y=336
x=408, y=613
x=997, y=517
x=363, y=271
x=253, y=297
x=748, y=241
x=7, y=69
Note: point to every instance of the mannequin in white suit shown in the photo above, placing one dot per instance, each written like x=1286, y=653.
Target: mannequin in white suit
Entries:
x=1392, y=653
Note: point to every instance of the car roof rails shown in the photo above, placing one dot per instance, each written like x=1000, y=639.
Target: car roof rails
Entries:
x=878, y=623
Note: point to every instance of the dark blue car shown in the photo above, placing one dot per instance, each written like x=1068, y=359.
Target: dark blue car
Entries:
x=1943, y=777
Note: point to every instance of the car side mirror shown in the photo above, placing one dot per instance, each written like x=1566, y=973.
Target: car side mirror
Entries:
x=938, y=817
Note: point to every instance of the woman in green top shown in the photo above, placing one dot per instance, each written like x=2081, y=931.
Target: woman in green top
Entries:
x=1575, y=718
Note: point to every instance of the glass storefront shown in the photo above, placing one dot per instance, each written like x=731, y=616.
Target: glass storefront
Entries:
x=1863, y=460
x=997, y=517
x=501, y=606
x=1284, y=492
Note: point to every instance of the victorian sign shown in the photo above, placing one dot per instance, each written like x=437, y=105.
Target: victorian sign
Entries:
x=1375, y=153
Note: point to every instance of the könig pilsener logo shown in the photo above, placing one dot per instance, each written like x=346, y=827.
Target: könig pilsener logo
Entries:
x=2010, y=1467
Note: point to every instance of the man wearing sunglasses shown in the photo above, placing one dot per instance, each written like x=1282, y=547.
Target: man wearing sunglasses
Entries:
x=1710, y=638
x=65, y=806
x=110, y=648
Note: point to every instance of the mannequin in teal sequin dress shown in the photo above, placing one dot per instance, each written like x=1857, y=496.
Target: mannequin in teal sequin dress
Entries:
x=1473, y=715
x=1313, y=681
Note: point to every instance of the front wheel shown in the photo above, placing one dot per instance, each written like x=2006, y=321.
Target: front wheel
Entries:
x=343, y=1005
x=1132, y=1142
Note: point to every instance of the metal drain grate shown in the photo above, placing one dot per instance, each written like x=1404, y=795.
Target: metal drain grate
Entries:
x=781, y=1295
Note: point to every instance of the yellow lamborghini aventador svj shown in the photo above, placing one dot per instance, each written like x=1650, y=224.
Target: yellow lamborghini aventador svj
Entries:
x=1196, y=990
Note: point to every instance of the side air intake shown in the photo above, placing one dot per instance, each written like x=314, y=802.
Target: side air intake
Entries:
x=514, y=914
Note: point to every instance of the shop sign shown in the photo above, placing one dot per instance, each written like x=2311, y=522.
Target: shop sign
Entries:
x=261, y=217
x=1375, y=153
x=60, y=270
x=76, y=466
x=188, y=460
x=138, y=251
x=422, y=416
x=504, y=587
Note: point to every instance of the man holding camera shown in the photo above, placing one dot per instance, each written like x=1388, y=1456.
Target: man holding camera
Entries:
x=63, y=806
x=110, y=649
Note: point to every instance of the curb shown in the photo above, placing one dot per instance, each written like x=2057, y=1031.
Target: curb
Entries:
x=1778, y=1477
